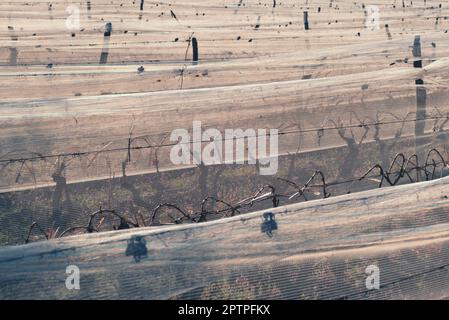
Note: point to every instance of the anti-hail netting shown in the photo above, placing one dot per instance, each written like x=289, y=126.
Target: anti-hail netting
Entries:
x=312, y=250
x=85, y=124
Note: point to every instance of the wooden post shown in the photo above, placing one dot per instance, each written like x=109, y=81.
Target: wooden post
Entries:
x=421, y=97
x=421, y=94
x=195, y=50
x=105, y=51
x=108, y=30
x=306, y=20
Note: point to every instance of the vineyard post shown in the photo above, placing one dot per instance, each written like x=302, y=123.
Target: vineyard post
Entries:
x=421, y=94
x=306, y=20
x=105, y=51
x=195, y=50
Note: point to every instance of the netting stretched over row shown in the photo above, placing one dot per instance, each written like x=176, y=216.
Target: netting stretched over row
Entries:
x=84, y=148
x=315, y=250
x=91, y=136
x=119, y=166
x=90, y=129
x=216, y=196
